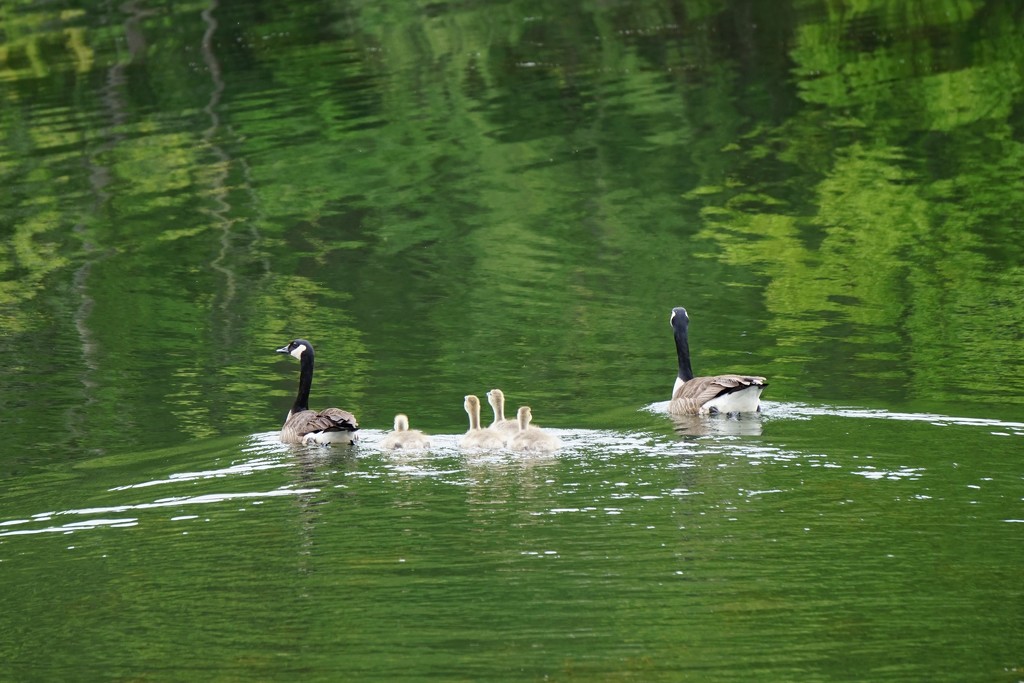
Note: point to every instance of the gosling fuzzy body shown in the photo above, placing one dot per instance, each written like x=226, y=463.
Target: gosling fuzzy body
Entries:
x=532, y=438
x=506, y=428
x=404, y=438
x=477, y=437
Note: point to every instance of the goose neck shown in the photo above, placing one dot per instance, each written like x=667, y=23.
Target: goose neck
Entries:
x=683, y=354
x=305, y=382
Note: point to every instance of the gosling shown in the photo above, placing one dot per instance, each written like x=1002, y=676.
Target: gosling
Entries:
x=403, y=437
x=506, y=428
x=476, y=437
x=532, y=438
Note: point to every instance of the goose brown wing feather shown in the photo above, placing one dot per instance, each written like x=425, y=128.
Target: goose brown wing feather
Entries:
x=696, y=392
x=342, y=418
x=329, y=419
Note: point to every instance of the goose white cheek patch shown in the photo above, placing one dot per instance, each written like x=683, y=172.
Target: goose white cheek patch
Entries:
x=297, y=351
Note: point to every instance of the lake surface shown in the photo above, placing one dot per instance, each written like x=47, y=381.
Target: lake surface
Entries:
x=447, y=198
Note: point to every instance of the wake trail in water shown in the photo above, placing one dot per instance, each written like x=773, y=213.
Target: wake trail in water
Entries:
x=806, y=411
x=771, y=410
x=265, y=452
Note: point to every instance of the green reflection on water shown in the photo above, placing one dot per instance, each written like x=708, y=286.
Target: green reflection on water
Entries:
x=446, y=199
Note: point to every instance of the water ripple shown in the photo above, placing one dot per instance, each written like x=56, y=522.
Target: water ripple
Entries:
x=804, y=411
x=131, y=521
x=584, y=451
x=242, y=468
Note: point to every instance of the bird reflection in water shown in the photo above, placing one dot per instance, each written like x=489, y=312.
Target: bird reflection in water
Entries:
x=746, y=424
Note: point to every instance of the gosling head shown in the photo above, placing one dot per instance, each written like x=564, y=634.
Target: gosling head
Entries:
x=472, y=404
x=401, y=422
x=525, y=416
x=495, y=396
x=296, y=348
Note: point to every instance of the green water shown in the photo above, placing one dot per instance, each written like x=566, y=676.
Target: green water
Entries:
x=448, y=198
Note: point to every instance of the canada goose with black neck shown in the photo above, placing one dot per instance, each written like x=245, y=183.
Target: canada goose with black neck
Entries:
x=305, y=426
x=709, y=395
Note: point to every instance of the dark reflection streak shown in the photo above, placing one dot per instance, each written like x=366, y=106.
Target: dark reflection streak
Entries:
x=313, y=467
x=219, y=181
x=133, y=31
x=254, y=231
x=216, y=75
x=309, y=473
x=99, y=179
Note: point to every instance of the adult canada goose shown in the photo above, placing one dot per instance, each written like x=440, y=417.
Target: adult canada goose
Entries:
x=403, y=437
x=709, y=395
x=305, y=426
x=532, y=438
x=507, y=428
x=476, y=437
